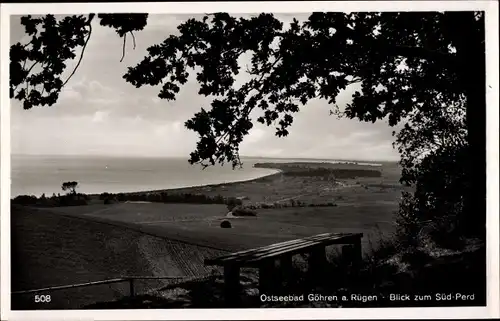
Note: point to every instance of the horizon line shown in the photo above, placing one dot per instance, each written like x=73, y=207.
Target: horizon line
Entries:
x=187, y=157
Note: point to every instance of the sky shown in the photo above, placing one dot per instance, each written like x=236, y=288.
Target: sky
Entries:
x=98, y=113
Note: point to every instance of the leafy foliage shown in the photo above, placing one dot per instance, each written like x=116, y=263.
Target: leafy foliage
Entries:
x=48, y=49
x=124, y=23
x=401, y=60
x=411, y=67
x=36, y=67
x=69, y=186
x=433, y=147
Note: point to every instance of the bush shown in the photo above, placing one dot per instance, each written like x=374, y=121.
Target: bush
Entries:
x=241, y=211
x=415, y=257
x=437, y=204
x=232, y=203
x=83, y=196
x=25, y=200
x=70, y=200
x=110, y=200
x=225, y=224
x=105, y=196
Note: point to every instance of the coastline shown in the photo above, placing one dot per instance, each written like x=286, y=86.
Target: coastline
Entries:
x=217, y=185
x=277, y=170
x=271, y=173
x=193, y=187
x=30, y=180
x=315, y=184
x=187, y=187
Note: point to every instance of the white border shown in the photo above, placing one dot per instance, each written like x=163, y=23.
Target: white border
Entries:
x=492, y=309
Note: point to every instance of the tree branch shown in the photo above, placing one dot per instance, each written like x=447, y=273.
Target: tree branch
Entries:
x=24, y=65
x=246, y=112
x=418, y=52
x=31, y=68
x=133, y=38
x=83, y=51
x=123, y=48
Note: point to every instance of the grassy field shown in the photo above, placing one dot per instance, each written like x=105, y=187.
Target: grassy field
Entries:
x=51, y=249
x=65, y=245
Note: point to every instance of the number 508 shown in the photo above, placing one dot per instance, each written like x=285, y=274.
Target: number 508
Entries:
x=42, y=298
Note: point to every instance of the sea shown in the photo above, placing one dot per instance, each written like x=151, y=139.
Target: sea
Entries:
x=37, y=175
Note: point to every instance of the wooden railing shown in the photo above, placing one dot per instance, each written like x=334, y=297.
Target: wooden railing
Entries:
x=129, y=279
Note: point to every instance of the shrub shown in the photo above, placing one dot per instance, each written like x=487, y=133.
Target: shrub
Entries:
x=104, y=196
x=241, y=211
x=70, y=200
x=232, y=203
x=110, y=200
x=83, y=196
x=225, y=224
x=25, y=200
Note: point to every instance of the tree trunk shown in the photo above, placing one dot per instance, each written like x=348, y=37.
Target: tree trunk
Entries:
x=473, y=61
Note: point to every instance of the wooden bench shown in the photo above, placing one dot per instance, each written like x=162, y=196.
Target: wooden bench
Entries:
x=265, y=258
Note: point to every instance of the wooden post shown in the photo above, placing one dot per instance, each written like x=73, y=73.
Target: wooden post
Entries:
x=351, y=259
x=267, y=277
x=286, y=266
x=347, y=263
x=232, y=284
x=317, y=264
x=357, y=255
x=347, y=255
x=131, y=283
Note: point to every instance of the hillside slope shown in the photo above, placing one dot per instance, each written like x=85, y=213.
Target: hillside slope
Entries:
x=50, y=250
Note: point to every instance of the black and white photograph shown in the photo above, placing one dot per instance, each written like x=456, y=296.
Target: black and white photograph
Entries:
x=332, y=156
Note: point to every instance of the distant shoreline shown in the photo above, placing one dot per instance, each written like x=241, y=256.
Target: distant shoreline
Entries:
x=277, y=172
x=267, y=175
x=267, y=165
x=273, y=168
x=266, y=158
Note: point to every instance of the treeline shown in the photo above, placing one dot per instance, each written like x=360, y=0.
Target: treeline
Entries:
x=155, y=197
x=53, y=201
x=277, y=205
x=311, y=171
x=164, y=197
x=337, y=173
